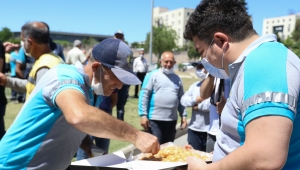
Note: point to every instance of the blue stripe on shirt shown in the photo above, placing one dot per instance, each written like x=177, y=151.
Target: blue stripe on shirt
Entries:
x=260, y=68
x=142, y=93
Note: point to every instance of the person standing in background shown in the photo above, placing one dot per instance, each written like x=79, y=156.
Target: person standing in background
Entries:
x=123, y=92
x=199, y=124
x=3, y=100
x=12, y=62
x=76, y=54
x=158, y=113
x=140, y=68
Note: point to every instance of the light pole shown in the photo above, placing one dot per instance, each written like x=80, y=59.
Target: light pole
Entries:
x=151, y=33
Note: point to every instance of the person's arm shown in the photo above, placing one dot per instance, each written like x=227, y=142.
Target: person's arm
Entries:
x=266, y=147
x=144, y=97
x=207, y=87
x=181, y=109
x=16, y=84
x=19, y=71
x=204, y=106
x=187, y=99
x=82, y=57
x=96, y=122
x=40, y=72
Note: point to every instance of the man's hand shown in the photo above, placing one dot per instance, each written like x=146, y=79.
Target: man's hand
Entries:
x=145, y=123
x=147, y=143
x=195, y=163
x=220, y=105
x=183, y=123
x=195, y=107
x=3, y=79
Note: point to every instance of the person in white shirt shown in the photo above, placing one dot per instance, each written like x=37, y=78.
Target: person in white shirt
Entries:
x=199, y=124
x=76, y=54
x=140, y=68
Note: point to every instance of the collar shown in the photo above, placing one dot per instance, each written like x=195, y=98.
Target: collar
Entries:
x=234, y=67
x=80, y=69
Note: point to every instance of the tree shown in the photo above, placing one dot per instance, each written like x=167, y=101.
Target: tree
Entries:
x=296, y=32
x=5, y=34
x=89, y=41
x=192, y=53
x=163, y=40
x=293, y=43
x=135, y=45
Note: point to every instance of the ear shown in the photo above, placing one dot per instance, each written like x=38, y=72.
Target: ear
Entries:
x=96, y=65
x=221, y=40
x=30, y=41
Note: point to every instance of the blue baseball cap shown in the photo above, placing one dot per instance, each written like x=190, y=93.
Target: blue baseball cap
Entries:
x=117, y=56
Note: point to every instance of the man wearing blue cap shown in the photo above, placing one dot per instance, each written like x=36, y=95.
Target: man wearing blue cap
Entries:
x=57, y=115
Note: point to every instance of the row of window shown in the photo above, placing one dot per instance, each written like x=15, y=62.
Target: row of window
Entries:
x=188, y=14
x=161, y=22
x=287, y=30
x=279, y=20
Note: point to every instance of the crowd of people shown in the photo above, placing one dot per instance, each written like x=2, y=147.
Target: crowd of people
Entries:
x=244, y=103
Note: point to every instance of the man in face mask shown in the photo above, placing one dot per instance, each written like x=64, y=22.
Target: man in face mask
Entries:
x=159, y=101
x=140, y=68
x=59, y=112
x=34, y=40
x=200, y=122
x=260, y=118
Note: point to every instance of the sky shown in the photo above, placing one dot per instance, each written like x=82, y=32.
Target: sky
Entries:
x=105, y=17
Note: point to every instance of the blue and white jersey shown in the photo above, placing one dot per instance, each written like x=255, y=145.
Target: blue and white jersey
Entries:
x=40, y=137
x=265, y=81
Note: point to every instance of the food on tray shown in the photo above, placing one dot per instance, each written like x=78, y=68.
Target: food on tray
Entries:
x=173, y=154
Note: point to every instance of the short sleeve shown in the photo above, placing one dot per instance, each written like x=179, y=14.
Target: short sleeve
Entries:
x=51, y=90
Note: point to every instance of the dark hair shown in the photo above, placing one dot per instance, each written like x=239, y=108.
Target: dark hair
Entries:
x=226, y=16
x=38, y=34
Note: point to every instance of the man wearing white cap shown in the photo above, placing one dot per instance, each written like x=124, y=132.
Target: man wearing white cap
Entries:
x=76, y=54
x=58, y=114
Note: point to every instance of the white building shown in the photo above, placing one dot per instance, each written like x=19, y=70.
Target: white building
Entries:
x=284, y=25
x=176, y=19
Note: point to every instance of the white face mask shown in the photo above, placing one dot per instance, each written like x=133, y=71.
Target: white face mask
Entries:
x=98, y=88
x=26, y=53
x=216, y=72
x=200, y=74
x=168, y=71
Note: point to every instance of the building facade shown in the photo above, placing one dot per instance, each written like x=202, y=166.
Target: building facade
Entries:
x=71, y=37
x=176, y=19
x=283, y=25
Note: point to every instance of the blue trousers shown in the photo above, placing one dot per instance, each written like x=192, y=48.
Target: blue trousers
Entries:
x=164, y=130
x=197, y=140
x=102, y=143
x=122, y=98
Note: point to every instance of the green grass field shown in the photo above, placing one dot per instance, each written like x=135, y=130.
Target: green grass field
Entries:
x=131, y=112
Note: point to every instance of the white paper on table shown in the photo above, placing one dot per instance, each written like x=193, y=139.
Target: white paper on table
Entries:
x=105, y=160
x=148, y=165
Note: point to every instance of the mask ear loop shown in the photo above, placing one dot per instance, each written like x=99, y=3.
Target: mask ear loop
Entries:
x=100, y=73
x=222, y=60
